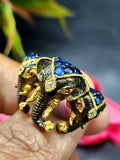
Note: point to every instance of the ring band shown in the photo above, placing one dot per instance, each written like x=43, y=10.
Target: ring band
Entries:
x=52, y=80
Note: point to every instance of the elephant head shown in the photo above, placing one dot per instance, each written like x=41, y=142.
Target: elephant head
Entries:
x=27, y=80
x=57, y=80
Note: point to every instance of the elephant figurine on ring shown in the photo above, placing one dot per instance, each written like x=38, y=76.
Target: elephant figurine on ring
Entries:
x=51, y=80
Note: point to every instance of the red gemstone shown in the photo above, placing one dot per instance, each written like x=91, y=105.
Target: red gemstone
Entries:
x=67, y=91
x=31, y=73
x=28, y=71
x=79, y=105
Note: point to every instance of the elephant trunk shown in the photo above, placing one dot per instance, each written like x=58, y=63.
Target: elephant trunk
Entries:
x=39, y=107
x=21, y=84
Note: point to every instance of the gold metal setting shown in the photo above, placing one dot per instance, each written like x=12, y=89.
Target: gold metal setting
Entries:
x=50, y=84
x=49, y=126
x=92, y=113
x=40, y=82
x=62, y=126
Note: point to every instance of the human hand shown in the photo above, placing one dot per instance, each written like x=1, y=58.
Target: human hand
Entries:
x=20, y=139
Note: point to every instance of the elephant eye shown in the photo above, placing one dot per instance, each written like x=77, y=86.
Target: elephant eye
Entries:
x=30, y=73
x=65, y=91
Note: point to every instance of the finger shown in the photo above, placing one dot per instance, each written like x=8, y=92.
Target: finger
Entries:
x=8, y=77
x=74, y=156
x=93, y=127
x=19, y=134
x=98, y=124
x=89, y=80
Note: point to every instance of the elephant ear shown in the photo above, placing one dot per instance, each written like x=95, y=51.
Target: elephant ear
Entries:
x=81, y=88
x=44, y=73
x=79, y=84
x=44, y=69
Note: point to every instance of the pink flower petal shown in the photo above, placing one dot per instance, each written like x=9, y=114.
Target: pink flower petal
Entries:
x=3, y=117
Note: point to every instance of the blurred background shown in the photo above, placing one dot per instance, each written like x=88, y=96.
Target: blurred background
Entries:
x=94, y=48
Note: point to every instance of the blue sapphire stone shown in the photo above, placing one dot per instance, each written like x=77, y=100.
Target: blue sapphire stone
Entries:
x=59, y=71
x=31, y=56
x=67, y=64
x=58, y=59
x=39, y=56
x=101, y=95
x=92, y=90
x=98, y=99
x=77, y=71
x=59, y=63
x=69, y=70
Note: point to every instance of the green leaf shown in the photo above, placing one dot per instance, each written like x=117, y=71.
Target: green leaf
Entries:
x=17, y=49
x=45, y=8
x=65, y=28
x=8, y=26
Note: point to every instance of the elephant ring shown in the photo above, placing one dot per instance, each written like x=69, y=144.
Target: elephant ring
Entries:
x=50, y=81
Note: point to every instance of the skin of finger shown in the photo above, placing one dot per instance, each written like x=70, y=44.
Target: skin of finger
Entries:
x=18, y=133
x=74, y=156
x=98, y=124
x=8, y=77
x=69, y=137
x=9, y=73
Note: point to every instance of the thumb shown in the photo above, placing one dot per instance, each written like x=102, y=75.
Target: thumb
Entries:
x=19, y=138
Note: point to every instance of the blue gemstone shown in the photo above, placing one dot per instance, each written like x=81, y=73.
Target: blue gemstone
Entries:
x=69, y=70
x=39, y=56
x=77, y=71
x=98, y=99
x=92, y=90
x=59, y=71
x=31, y=56
x=58, y=63
x=101, y=94
x=58, y=59
x=67, y=63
